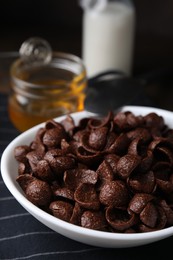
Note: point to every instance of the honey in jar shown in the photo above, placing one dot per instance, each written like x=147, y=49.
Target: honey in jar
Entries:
x=44, y=91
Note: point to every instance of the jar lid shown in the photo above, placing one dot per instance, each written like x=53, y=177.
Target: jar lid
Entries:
x=35, y=51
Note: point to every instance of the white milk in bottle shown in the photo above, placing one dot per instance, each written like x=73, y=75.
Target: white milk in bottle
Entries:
x=108, y=36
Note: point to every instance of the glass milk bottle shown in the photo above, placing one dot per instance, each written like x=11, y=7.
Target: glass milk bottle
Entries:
x=108, y=35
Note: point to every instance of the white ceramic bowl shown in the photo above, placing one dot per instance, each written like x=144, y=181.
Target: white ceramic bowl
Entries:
x=87, y=236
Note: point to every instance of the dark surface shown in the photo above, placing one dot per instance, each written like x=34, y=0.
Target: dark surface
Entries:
x=60, y=22
x=23, y=237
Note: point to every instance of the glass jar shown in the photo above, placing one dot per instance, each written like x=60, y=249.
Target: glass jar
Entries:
x=108, y=35
x=41, y=92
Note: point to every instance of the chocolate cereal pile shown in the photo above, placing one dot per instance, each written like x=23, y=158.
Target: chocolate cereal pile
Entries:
x=112, y=174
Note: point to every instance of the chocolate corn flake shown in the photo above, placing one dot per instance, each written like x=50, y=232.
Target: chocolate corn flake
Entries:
x=39, y=192
x=61, y=209
x=120, y=219
x=114, y=193
x=73, y=178
x=93, y=220
x=53, y=137
x=139, y=201
x=149, y=215
x=112, y=174
x=87, y=197
x=20, y=153
x=105, y=172
x=76, y=214
x=142, y=182
x=64, y=192
x=127, y=164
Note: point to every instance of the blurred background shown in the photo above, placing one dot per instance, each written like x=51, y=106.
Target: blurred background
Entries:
x=60, y=23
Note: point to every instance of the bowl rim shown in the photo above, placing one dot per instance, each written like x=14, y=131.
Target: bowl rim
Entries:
x=34, y=210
